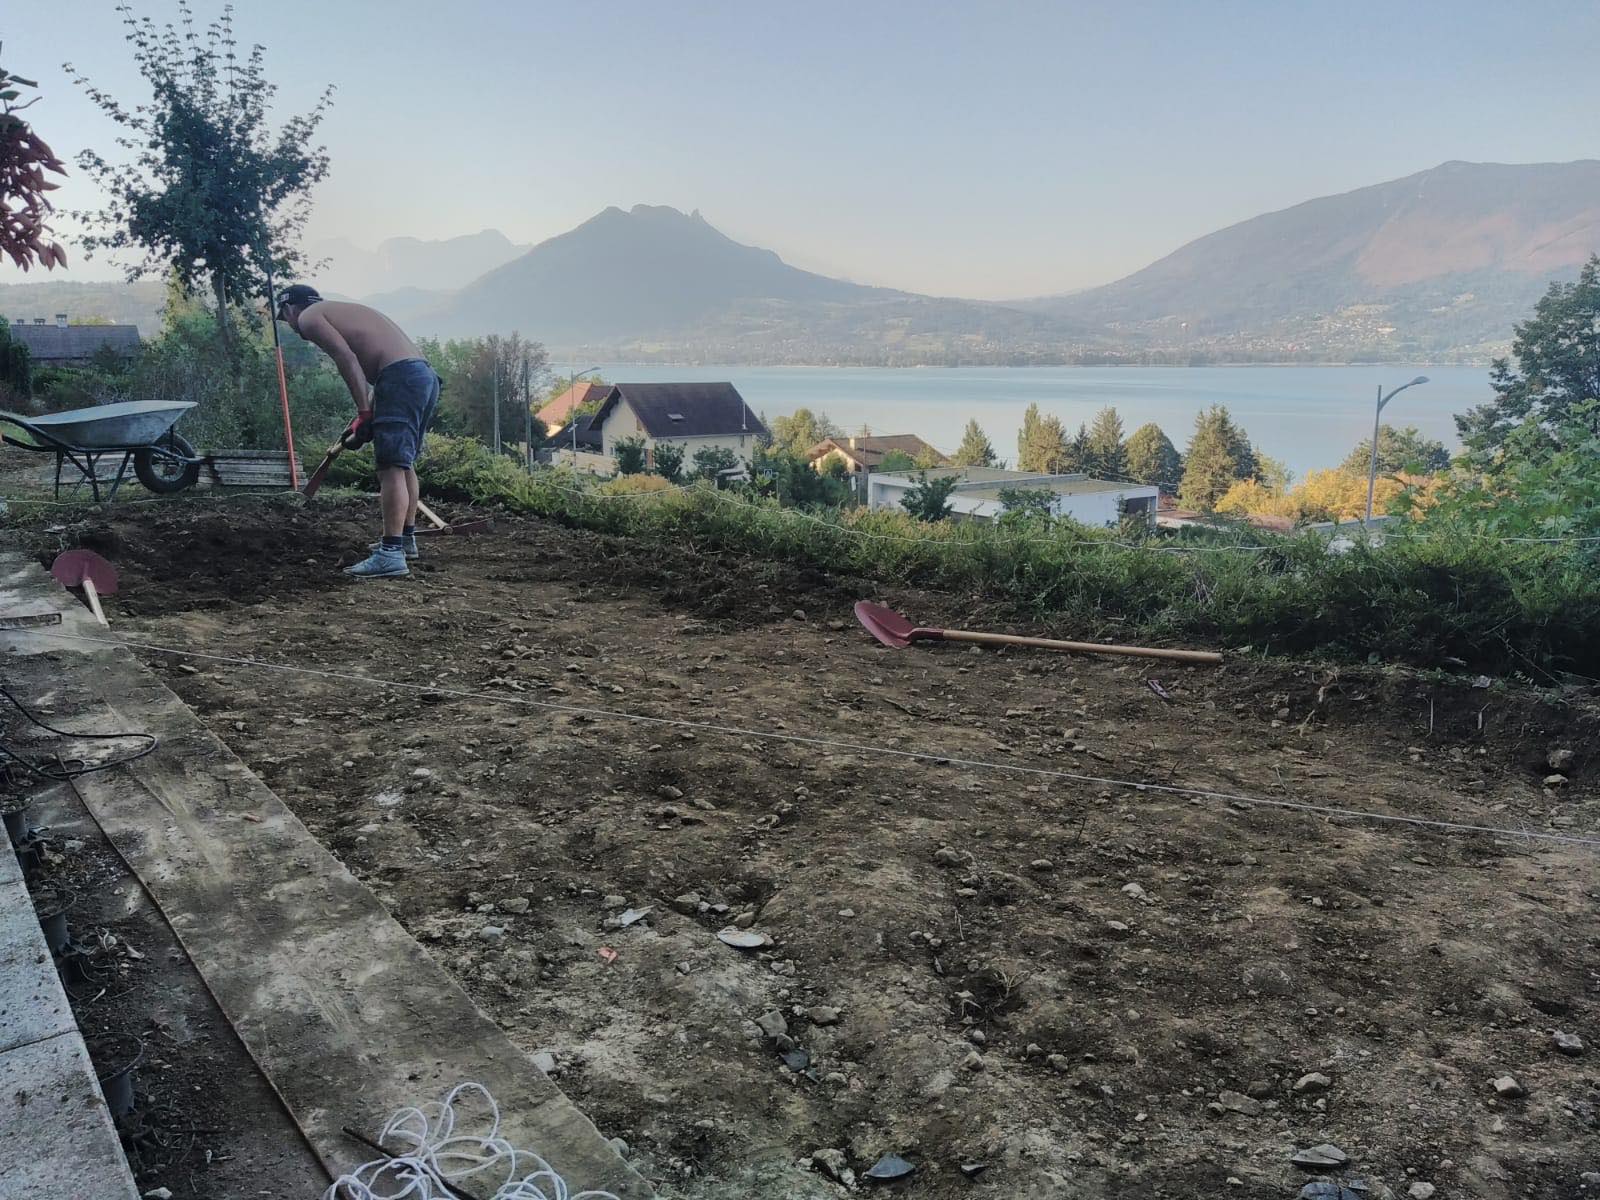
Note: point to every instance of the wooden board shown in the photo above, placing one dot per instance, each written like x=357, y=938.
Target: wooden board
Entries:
x=345, y=1013
x=251, y=468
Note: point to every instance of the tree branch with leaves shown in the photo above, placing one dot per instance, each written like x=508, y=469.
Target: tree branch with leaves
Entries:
x=25, y=234
x=207, y=190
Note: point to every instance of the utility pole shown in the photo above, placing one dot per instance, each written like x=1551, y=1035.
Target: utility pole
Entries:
x=527, y=418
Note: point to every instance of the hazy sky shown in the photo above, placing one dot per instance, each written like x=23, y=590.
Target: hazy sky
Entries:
x=984, y=149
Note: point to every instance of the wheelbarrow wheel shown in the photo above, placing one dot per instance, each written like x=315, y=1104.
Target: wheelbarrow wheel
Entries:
x=163, y=467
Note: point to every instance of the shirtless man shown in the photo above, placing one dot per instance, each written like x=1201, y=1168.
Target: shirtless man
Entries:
x=370, y=349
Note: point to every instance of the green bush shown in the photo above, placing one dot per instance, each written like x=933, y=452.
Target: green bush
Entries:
x=1424, y=596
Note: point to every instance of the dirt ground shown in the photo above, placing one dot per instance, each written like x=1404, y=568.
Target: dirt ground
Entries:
x=1026, y=986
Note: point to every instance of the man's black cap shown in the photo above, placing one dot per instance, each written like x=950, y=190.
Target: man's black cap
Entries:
x=299, y=295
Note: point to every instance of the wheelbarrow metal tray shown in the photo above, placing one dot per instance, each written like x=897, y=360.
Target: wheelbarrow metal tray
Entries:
x=113, y=426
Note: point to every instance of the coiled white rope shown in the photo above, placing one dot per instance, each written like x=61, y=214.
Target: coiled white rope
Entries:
x=431, y=1153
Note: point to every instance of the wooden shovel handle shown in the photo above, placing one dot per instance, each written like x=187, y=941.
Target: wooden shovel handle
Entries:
x=1208, y=657
x=438, y=521
x=93, y=597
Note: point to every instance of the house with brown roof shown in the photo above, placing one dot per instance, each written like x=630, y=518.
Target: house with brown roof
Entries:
x=697, y=416
x=558, y=412
x=863, y=455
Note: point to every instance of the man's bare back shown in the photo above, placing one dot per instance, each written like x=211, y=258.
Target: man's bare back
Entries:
x=375, y=340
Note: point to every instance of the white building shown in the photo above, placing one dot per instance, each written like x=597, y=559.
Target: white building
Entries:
x=1095, y=502
x=696, y=416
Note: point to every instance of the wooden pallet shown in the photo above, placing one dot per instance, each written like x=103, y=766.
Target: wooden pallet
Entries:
x=251, y=468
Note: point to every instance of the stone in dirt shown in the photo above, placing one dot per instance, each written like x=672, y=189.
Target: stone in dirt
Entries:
x=1420, y=1191
x=743, y=939
x=1238, y=1102
x=772, y=1023
x=1316, y=1081
x=890, y=1166
x=822, y=1014
x=832, y=1163
x=1555, y=781
x=1133, y=891
x=973, y=1061
x=688, y=903
x=545, y=1061
x=946, y=857
x=1320, y=1157
x=1508, y=1088
x=515, y=904
x=1569, y=1044
x=1559, y=760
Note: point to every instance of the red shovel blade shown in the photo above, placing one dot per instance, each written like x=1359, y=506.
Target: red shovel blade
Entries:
x=888, y=626
x=74, y=566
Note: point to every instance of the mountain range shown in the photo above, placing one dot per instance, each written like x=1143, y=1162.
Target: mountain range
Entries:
x=1437, y=266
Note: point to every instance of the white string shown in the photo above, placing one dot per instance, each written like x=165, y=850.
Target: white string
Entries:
x=430, y=1153
x=863, y=748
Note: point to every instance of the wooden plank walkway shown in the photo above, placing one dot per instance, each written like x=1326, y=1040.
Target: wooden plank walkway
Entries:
x=344, y=1012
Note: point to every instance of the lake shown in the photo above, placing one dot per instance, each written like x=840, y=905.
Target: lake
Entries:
x=1309, y=417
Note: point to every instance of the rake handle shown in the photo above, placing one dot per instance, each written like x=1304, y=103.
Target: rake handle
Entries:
x=1208, y=657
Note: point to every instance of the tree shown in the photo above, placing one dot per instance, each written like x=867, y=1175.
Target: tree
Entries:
x=711, y=461
x=211, y=191
x=929, y=499
x=1026, y=506
x=975, y=450
x=669, y=461
x=24, y=159
x=630, y=455
x=16, y=366
x=1219, y=453
x=1042, y=444
x=789, y=479
x=1153, y=459
x=1551, y=400
x=1273, y=474
x=897, y=460
x=1398, y=450
x=1077, y=458
x=477, y=371
x=1104, y=453
x=927, y=458
x=801, y=430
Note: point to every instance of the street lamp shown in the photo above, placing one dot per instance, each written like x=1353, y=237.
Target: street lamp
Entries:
x=572, y=413
x=1372, y=474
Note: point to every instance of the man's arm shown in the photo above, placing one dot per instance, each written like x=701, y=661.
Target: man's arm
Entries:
x=319, y=331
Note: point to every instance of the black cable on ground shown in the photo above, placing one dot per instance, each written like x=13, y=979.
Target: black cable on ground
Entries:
x=61, y=772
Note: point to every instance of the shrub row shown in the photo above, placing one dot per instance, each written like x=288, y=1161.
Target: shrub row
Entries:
x=1431, y=595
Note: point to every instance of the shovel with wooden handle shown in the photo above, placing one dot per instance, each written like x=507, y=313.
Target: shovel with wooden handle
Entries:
x=890, y=628
x=321, y=473
x=86, y=569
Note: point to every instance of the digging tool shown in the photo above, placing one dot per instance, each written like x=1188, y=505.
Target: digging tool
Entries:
x=321, y=473
x=440, y=525
x=283, y=383
x=892, y=629
x=86, y=569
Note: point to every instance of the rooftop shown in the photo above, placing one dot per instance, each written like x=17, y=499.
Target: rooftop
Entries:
x=985, y=483
x=685, y=410
x=74, y=343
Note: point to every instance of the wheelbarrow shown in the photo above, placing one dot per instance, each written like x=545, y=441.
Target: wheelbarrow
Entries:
x=139, y=430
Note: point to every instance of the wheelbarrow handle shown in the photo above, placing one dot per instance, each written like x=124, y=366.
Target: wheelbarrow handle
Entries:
x=1208, y=657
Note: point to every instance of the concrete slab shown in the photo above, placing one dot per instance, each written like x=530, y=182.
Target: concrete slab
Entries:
x=59, y=1142
x=32, y=1005
x=10, y=867
x=343, y=1011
